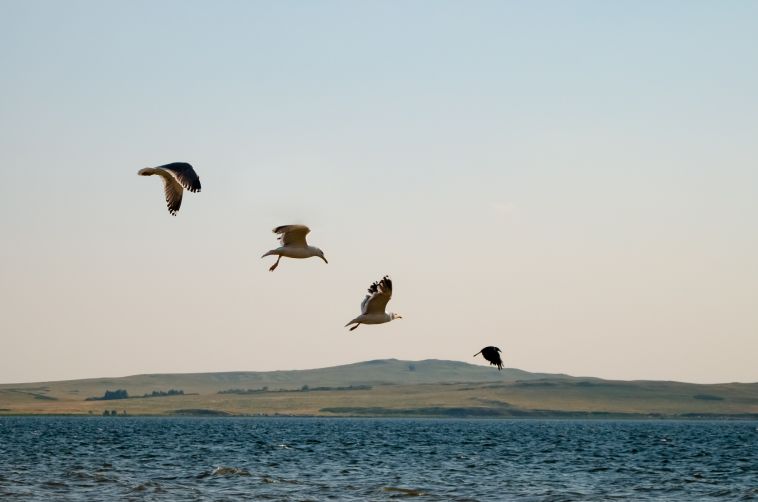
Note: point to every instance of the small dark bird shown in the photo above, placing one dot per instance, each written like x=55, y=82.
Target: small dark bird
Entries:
x=492, y=354
x=176, y=177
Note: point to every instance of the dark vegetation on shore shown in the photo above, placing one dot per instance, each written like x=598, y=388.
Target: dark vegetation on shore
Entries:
x=201, y=412
x=481, y=412
x=111, y=395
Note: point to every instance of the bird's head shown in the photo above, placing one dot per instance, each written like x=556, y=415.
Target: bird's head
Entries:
x=320, y=254
x=394, y=316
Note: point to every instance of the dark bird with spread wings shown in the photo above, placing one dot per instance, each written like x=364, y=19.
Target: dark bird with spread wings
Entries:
x=176, y=176
x=492, y=354
x=372, y=307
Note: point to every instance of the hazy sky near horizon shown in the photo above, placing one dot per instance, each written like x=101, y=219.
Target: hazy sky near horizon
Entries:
x=574, y=182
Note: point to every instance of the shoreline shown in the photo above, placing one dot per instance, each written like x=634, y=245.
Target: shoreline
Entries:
x=551, y=417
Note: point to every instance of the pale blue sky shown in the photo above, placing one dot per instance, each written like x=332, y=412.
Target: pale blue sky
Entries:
x=575, y=182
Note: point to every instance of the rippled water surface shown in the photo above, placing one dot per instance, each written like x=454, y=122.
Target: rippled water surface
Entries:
x=374, y=459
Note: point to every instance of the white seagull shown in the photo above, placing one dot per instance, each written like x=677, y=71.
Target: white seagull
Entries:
x=175, y=176
x=293, y=245
x=372, y=307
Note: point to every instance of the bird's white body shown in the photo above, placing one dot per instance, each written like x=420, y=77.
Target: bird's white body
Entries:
x=295, y=252
x=372, y=319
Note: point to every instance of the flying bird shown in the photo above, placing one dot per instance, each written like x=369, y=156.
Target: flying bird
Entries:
x=372, y=307
x=294, y=245
x=492, y=354
x=175, y=176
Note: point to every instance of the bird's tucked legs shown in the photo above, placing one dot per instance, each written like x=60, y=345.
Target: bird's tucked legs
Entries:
x=351, y=329
x=273, y=267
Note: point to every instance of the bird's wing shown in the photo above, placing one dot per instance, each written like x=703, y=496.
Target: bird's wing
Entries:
x=184, y=174
x=379, y=294
x=171, y=188
x=292, y=235
x=492, y=355
x=173, y=191
x=372, y=290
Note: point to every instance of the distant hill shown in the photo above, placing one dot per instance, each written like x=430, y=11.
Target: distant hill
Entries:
x=376, y=372
x=386, y=387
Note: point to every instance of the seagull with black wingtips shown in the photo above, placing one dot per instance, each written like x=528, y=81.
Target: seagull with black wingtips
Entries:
x=177, y=176
x=373, y=306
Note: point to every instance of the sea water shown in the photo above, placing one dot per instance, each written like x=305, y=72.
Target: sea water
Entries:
x=122, y=458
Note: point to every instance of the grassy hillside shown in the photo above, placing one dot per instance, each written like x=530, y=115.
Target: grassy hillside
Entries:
x=386, y=388
x=377, y=372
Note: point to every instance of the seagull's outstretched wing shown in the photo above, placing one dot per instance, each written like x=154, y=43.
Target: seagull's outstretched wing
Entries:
x=293, y=235
x=379, y=293
x=171, y=187
x=372, y=290
x=184, y=174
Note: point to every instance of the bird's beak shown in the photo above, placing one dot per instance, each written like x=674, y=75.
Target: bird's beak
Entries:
x=324, y=260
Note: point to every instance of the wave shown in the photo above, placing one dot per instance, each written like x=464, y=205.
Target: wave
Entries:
x=224, y=470
x=404, y=492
